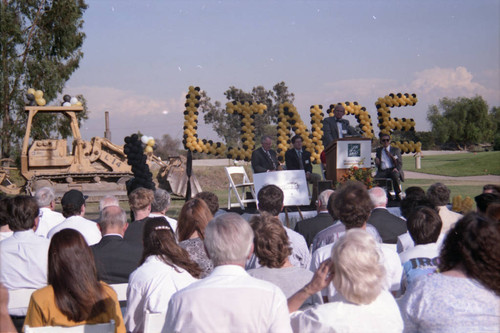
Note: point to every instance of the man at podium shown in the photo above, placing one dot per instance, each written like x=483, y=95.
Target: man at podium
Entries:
x=336, y=128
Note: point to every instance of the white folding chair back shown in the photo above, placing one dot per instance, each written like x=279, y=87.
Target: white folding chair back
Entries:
x=88, y=328
x=154, y=322
x=238, y=184
x=19, y=298
x=121, y=290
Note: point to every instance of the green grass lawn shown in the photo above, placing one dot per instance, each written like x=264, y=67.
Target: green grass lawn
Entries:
x=457, y=165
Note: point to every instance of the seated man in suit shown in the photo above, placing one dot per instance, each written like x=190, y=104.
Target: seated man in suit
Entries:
x=389, y=163
x=264, y=158
x=389, y=226
x=336, y=128
x=115, y=258
x=297, y=158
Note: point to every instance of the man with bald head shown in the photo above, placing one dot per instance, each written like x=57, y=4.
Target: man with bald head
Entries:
x=115, y=258
x=336, y=128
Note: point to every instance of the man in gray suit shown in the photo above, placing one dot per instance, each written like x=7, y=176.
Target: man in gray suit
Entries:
x=336, y=128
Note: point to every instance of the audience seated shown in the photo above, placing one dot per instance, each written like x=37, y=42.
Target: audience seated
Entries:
x=74, y=296
x=165, y=268
x=5, y=231
x=484, y=200
x=310, y=227
x=465, y=296
x=361, y=304
x=493, y=211
x=272, y=248
x=49, y=218
x=24, y=255
x=160, y=206
x=228, y=300
x=139, y=201
x=108, y=201
x=415, y=197
x=352, y=205
x=439, y=195
x=212, y=202
x=337, y=230
x=270, y=198
x=114, y=257
x=193, y=219
x=73, y=206
x=424, y=226
x=389, y=226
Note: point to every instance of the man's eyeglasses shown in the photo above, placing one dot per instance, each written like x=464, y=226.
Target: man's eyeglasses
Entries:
x=385, y=140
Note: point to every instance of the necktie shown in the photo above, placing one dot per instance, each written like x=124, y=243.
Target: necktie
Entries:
x=301, y=163
x=271, y=159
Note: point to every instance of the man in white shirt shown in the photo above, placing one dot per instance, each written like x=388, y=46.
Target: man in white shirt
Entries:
x=49, y=218
x=270, y=199
x=160, y=206
x=73, y=205
x=24, y=255
x=352, y=205
x=228, y=300
x=439, y=195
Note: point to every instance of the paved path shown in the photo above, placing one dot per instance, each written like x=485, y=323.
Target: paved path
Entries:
x=485, y=179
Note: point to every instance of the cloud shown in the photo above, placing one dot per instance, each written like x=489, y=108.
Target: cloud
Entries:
x=436, y=83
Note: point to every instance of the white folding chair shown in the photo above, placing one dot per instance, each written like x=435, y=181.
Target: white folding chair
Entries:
x=154, y=322
x=239, y=187
x=121, y=290
x=19, y=298
x=87, y=328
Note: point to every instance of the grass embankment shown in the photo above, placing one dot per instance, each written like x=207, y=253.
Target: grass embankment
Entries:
x=457, y=165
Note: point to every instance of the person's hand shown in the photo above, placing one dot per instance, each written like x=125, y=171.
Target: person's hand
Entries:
x=321, y=279
x=377, y=161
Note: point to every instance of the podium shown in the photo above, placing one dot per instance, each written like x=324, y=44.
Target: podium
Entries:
x=344, y=153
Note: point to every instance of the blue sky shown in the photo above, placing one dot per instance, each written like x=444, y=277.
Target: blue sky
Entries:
x=140, y=57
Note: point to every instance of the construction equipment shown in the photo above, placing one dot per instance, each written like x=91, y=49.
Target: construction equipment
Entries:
x=96, y=167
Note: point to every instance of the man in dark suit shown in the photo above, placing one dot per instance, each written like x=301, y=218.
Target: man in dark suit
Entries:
x=336, y=128
x=310, y=227
x=115, y=258
x=389, y=226
x=264, y=159
x=389, y=163
x=297, y=158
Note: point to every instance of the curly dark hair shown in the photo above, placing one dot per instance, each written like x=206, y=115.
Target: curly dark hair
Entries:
x=271, y=244
x=474, y=243
x=352, y=205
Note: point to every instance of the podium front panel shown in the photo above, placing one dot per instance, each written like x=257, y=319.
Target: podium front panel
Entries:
x=353, y=153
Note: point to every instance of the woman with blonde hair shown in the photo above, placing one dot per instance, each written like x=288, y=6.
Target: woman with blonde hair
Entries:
x=191, y=224
x=74, y=296
x=361, y=303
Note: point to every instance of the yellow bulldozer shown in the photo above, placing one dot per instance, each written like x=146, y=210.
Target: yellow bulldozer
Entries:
x=96, y=167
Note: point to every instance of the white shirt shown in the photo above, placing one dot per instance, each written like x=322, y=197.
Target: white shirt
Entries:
x=386, y=160
x=23, y=262
x=150, y=287
x=87, y=228
x=448, y=217
x=228, y=300
x=300, y=257
x=5, y=234
x=48, y=220
x=381, y=315
x=388, y=257
x=171, y=221
x=430, y=250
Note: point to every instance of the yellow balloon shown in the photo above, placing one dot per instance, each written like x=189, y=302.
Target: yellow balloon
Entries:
x=151, y=142
x=40, y=101
x=148, y=149
x=31, y=91
x=78, y=103
x=38, y=94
